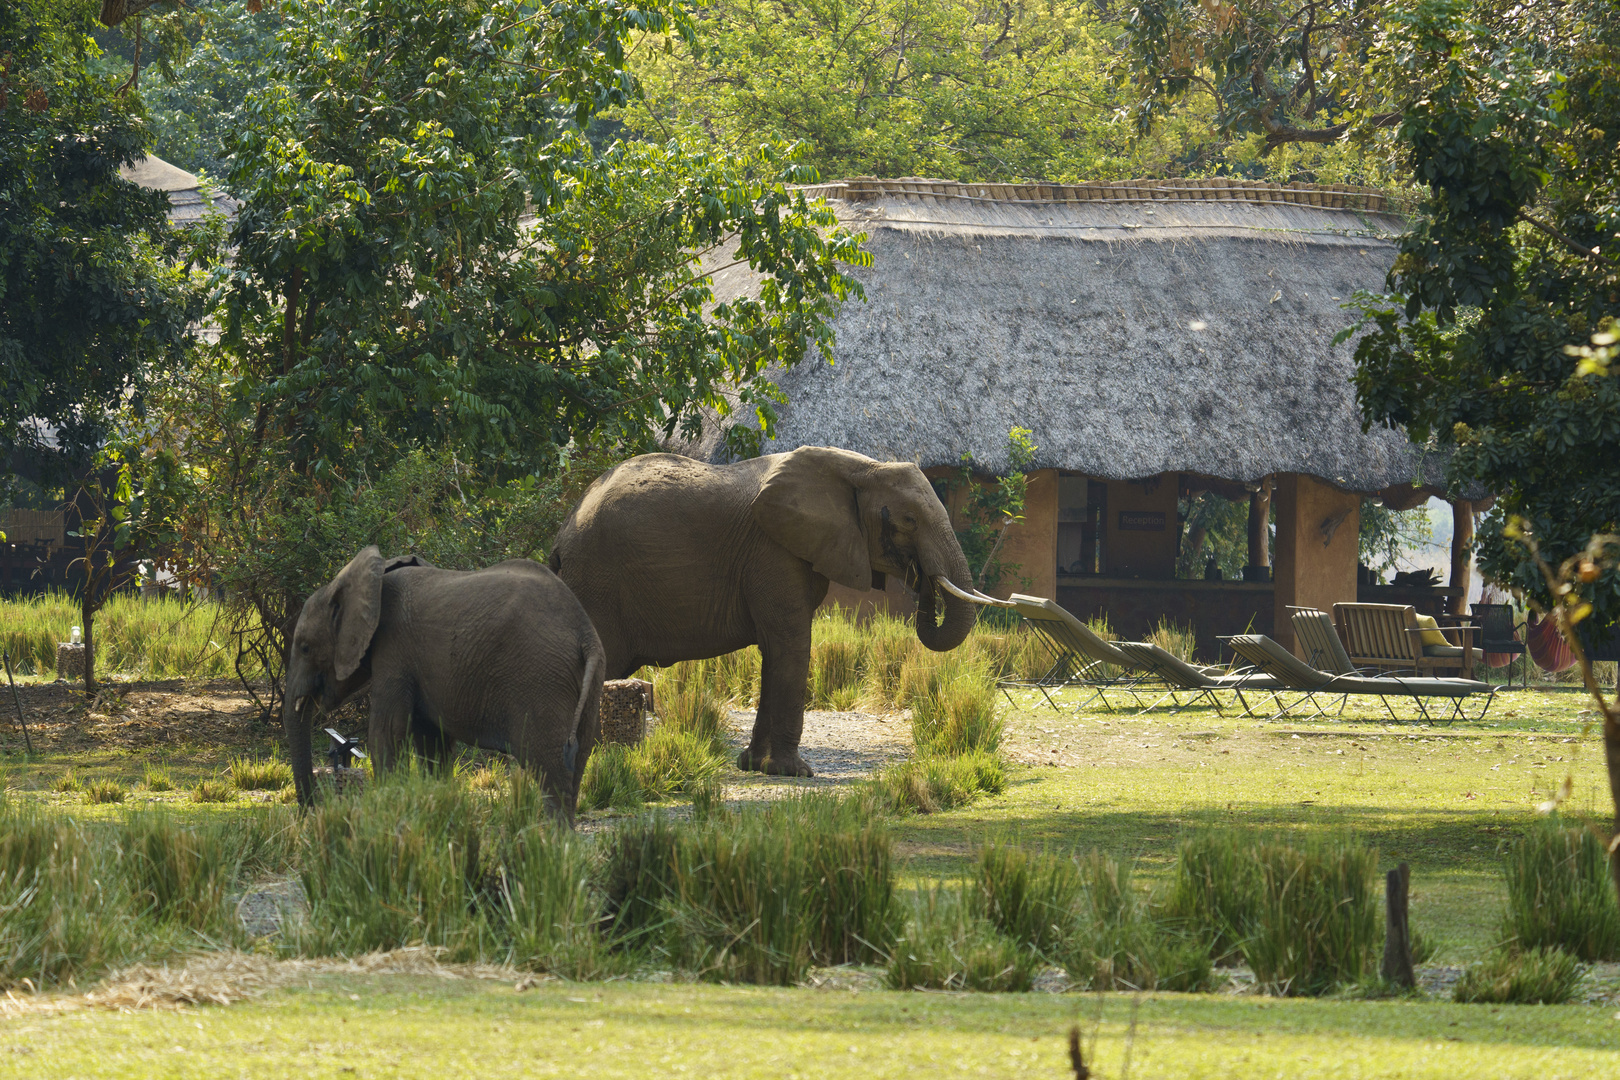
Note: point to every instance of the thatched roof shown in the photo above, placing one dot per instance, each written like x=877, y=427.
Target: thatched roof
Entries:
x=189, y=198
x=1173, y=326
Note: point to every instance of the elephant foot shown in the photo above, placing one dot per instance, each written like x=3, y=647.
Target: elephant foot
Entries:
x=793, y=765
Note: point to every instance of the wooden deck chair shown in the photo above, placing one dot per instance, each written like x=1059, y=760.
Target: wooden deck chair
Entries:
x=1388, y=636
x=1080, y=657
x=1270, y=657
x=1182, y=677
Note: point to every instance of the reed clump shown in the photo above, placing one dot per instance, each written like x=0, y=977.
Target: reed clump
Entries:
x=1560, y=894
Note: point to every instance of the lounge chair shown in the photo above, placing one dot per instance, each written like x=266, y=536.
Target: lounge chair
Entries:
x=1388, y=636
x=1295, y=674
x=1080, y=657
x=1181, y=676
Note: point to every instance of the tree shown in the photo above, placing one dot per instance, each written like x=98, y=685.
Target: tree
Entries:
x=1509, y=270
x=94, y=288
x=963, y=89
x=431, y=255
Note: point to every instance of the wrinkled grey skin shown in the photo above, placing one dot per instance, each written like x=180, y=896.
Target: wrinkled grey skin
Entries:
x=503, y=658
x=678, y=560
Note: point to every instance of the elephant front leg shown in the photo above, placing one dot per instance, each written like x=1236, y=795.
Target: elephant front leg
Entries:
x=784, y=668
x=389, y=727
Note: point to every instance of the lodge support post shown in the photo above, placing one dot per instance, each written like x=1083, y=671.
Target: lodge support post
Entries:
x=1397, y=966
x=1462, y=544
x=1318, y=538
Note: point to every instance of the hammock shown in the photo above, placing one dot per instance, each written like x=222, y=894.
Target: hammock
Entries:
x=1547, y=646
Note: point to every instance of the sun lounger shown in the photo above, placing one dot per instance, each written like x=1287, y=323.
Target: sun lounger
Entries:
x=1080, y=657
x=1291, y=672
x=1388, y=636
x=1181, y=676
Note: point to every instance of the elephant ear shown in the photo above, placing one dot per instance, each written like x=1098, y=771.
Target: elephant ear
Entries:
x=355, y=596
x=809, y=503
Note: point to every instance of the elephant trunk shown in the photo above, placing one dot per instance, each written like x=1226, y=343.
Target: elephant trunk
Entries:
x=941, y=556
x=296, y=713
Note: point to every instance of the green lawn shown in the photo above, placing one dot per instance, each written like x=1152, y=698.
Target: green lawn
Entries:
x=394, y=1026
x=1441, y=797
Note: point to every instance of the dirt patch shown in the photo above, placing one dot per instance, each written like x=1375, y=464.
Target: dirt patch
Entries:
x=137, y=716
x=842, y=747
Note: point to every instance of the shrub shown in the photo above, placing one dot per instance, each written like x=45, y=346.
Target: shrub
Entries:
x=157, y=778
x=104, y=791
x=213, y=791
x=1560, y=894
x=270, y=774
x=928, y=784
x=1118, y=945
x=1316, y=922
x=399, y=864
x=1215, y=889
x=68, y=783
x=1544, y=976
x=948, y=945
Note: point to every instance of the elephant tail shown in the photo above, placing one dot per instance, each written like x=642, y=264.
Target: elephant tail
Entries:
x=589, y=687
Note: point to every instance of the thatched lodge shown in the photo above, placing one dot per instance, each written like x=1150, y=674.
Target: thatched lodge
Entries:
x=1159, y=339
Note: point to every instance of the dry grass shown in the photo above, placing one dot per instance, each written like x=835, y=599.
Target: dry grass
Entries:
x=230, y=976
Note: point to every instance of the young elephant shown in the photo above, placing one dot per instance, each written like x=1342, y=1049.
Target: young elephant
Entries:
x=503, y=658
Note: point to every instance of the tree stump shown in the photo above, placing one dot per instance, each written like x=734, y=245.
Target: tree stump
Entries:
x=624, y=711
x=69, y=660
x=1397, y=966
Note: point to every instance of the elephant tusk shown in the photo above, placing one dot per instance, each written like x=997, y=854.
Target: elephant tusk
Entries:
x=974, y=597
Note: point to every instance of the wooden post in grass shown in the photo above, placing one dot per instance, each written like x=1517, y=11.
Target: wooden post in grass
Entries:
x=1397, y=966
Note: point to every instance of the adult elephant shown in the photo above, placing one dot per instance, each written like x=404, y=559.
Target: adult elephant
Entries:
x=502, y=658
x=678, y=560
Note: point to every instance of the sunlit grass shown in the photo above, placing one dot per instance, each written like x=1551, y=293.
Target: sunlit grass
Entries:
x=156, y=639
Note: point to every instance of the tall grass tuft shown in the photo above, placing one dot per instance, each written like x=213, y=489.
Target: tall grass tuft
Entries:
x=953, y=705
x=758, y=896
x=252, y=774
x=948, y=944
x=612, y=780
x=1117, y=944
x=213, y=791
x=1173, y=638
x=400, y=864
x=547, y=908
x=1316, y=917
x=104, y=791
x=1509, y=977
x=1215, y=889
x=64, y=912
x=928, y=784
x=182, y=873
x=1032, y=897
x=1560, y=894
x=157, y=778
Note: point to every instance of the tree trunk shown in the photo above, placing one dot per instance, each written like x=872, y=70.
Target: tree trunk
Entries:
x=1260, y=525
x=87, y=616
x=1462, y=545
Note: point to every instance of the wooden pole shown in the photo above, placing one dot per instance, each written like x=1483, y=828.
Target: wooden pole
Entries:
x=15, y=700
x=1397, y=966
x=1462, y=543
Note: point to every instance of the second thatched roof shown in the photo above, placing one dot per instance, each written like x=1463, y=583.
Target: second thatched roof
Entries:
x=1136, y=329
